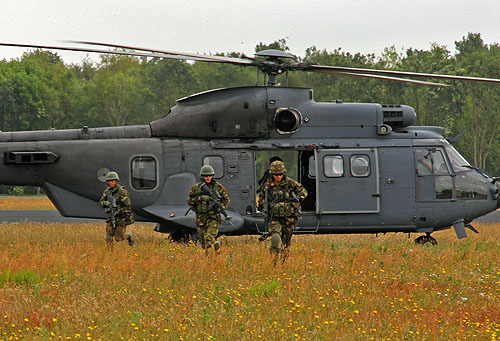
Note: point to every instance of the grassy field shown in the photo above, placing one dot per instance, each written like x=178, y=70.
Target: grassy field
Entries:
x=61, y=282
x=25, y=203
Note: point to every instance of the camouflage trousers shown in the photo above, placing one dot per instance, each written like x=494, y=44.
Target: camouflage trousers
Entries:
x=207, y=233
x=284, y=226
x=119, y=233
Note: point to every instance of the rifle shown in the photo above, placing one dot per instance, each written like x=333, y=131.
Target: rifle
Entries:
x=112, y=209
x=215, y=199
x=268, y=211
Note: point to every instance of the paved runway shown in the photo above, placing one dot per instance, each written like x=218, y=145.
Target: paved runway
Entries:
x=52, y=216
x=43, y=216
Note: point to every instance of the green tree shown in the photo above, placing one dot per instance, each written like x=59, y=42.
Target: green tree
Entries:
x=118, y=94
x=21, y=93
x=168, y=81
x=481, y=104
x=279, y=44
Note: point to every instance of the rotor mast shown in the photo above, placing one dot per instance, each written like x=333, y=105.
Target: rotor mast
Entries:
x=272, y=65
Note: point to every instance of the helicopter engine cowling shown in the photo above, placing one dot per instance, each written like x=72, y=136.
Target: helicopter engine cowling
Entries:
x=287, y=120
x=263, y=112
x=398, y=116
x=236, y=112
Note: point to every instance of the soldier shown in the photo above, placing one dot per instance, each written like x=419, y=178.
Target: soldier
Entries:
x=266, y=175
x=280, y=198
x=204, y=199
x=117, y=205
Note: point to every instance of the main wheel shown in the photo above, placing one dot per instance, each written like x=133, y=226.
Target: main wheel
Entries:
x=427, y=239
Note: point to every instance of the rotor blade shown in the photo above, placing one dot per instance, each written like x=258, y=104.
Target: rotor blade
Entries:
x=124, y=53
x=404, y=80
x=199, y=57
x=328, y=69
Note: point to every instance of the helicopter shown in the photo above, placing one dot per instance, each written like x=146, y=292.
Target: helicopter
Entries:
x=366, y=167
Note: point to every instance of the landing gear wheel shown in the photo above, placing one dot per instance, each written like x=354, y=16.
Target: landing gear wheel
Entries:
x=183, y=236
x=427, y=239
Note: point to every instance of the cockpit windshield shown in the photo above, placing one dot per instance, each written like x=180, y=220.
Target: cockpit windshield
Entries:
x=458, y=162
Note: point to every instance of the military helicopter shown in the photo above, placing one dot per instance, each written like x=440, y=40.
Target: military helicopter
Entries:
x=366, y=167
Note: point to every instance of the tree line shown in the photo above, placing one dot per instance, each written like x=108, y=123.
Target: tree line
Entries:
x=40, y=91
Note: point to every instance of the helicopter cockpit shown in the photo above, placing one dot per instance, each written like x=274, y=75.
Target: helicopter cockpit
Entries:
x=470, y=181
x=453, y=177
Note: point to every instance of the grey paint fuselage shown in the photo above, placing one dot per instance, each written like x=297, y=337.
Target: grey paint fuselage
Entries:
x=234, y=124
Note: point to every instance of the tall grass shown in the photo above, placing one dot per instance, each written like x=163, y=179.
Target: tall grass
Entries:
x=331, y=287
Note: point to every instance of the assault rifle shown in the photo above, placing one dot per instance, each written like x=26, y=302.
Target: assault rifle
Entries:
x=267, y=211
x=112, y=209
x=215, y=199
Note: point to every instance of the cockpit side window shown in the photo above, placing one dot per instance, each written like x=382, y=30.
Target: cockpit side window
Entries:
x=431, y=161
x=458, y=162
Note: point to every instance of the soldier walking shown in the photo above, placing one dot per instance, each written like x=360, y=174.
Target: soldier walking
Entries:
x=116, y=202
x=280, y=199
x=206, y=199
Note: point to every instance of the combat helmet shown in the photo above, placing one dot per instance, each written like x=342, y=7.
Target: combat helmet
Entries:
x=207, y=170
x=277, y=167
x=112, y=176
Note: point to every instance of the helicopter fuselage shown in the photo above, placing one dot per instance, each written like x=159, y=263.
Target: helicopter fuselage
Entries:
x=366, y=168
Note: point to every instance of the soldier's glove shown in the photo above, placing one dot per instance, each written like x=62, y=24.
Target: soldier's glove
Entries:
x=295, y=199
x=105, y=204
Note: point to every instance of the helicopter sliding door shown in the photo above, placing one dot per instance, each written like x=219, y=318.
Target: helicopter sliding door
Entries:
x=347, y=181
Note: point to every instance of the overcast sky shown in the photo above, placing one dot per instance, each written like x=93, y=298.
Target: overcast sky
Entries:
x=210, y=26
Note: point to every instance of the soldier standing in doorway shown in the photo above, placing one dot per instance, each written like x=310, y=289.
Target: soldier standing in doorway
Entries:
x=116, y=202
x=280, y=198
x=266, y=175
x=208, y=199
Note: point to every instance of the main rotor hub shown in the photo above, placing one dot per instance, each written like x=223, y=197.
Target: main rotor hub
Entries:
x=274, y=54
x=273, y=64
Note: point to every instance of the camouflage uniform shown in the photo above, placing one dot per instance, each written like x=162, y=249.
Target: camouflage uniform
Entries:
x=124, y=215
x=208, y=218
x=283, y=200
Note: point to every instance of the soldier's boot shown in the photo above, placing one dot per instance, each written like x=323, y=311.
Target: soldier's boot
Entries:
x=207, y=247
x=109, y=240
x=284, y=253
x=275, y=242
x=131, y=238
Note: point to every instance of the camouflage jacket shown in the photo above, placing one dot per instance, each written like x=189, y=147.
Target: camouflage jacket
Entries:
x=201, y=203
x=281, y=199
x=124, y=214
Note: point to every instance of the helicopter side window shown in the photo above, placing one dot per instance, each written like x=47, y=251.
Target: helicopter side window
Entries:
x=312, y=167
x=360, y=166
x=217, y=164
x=143, y=173
x=333, y=166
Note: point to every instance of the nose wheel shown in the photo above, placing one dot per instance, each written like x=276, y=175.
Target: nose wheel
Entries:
x=427, y=239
